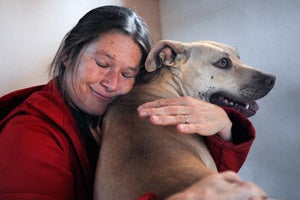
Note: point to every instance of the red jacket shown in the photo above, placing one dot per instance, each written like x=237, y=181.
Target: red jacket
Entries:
x=43, y=156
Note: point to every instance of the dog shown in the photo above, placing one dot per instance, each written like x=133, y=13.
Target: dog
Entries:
x=137, y=157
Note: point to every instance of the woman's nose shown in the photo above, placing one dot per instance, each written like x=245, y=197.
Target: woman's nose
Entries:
x=110, y=81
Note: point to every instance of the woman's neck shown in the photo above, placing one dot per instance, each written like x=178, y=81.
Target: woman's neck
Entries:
x=94, y=125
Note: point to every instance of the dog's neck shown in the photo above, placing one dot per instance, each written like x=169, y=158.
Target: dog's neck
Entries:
x=167, y=85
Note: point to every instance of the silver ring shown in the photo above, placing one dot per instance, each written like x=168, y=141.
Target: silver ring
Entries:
x=186, y=119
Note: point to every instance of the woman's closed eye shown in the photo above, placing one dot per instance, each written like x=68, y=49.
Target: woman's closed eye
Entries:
x=102, y=64
x=129, y=74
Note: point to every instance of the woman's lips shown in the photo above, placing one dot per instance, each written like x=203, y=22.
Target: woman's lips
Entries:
x=101, y=96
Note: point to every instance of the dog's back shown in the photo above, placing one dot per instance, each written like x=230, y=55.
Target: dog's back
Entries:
x=141, y=157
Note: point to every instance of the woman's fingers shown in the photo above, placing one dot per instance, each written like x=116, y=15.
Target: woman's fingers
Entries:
x=168, y=120
x=170, y=111
x=190, y=115
x=168, y=102
x=231, y=176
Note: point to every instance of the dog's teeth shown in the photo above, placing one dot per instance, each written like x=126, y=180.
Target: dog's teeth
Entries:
x=247, y=106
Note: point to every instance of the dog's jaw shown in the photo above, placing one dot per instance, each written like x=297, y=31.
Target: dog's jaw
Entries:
x=248, y=108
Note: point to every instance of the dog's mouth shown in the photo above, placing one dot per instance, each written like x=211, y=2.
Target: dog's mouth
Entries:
x=246, y=108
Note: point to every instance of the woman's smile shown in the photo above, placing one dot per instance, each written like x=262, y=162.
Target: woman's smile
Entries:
x=101, y=96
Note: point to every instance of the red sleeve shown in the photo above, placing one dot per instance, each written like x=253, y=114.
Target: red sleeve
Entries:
x=231, y=155
x=228, y=155
x=34, y=164
x=147, y=196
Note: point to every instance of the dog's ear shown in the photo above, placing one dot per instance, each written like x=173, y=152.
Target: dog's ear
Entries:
x=165, y=53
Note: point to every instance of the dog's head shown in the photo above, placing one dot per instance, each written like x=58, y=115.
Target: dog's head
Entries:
x=213, y=72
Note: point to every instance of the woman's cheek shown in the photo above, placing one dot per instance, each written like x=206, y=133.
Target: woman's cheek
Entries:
x=128, y=85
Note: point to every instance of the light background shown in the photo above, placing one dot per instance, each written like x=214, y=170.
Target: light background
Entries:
x=266, y=32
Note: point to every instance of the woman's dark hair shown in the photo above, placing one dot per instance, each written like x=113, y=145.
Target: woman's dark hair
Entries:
x=90, y=27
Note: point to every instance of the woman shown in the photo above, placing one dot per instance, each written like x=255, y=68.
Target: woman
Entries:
x=50, y=138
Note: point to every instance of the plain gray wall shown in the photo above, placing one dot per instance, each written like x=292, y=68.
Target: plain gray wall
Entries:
x=267, y=34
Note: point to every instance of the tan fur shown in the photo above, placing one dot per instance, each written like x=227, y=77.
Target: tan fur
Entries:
x=137, y=157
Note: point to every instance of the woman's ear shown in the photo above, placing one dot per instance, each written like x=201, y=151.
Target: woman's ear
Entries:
x=165, y=53
x=65, y=60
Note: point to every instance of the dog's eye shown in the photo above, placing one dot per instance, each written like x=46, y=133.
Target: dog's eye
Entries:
x=223, y=63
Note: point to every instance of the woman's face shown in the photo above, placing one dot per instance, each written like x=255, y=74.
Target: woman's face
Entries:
x=105, y=69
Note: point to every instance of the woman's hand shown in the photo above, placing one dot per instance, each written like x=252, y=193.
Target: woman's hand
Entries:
x=226, y=185
x=190, y=115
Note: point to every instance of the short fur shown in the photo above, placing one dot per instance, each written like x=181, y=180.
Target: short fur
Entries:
x=137, y=157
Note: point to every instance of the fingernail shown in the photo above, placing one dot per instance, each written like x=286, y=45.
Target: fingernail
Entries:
x=155, y=118
x=142, y=113
x=140, y=107
x=182, y=128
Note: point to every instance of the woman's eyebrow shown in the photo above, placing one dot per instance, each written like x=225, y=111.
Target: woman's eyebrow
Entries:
x=101, y=52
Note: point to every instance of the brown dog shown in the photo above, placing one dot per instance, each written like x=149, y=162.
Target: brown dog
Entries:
x=137, y=157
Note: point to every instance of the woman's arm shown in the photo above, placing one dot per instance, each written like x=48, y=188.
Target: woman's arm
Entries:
x=229, y=137
x=231, y=155
x=229, y=133
x=225, y=185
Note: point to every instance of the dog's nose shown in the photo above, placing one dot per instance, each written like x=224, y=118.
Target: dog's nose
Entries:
x=270, y=81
